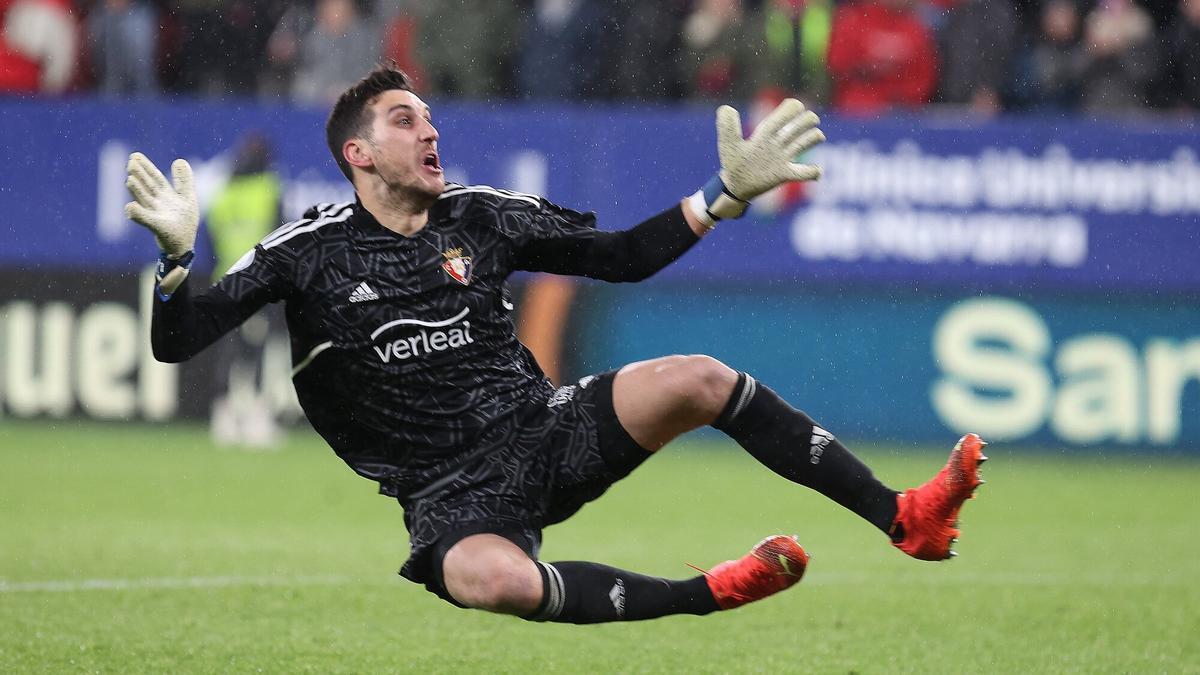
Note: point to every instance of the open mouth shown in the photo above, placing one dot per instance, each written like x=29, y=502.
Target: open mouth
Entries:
x=431, y=160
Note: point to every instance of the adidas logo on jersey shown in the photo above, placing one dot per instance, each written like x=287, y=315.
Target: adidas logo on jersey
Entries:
x=363, y=293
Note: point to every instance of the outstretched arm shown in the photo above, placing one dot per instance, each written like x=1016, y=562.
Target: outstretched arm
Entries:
x=749, y=167
x=181, y=326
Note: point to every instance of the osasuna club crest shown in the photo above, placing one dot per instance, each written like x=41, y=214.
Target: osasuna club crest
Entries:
x=457, y=265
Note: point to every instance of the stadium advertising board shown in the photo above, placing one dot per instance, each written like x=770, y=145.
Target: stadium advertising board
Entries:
x=1030, y=369
x=912, y=367
x=79, y=344
x=1005, y=205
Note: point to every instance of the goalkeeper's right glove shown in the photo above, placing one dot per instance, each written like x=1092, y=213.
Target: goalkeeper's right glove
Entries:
x=171, y=213
x=750, y=167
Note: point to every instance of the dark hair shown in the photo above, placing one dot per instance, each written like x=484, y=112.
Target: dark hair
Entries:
x=350, y=117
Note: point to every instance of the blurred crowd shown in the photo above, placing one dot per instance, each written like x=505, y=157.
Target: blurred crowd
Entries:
x=1098, y=57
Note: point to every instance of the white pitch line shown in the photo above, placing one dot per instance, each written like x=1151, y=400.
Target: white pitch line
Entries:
x=171, y=583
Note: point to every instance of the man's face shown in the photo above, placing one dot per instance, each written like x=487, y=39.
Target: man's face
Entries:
x=403, y=144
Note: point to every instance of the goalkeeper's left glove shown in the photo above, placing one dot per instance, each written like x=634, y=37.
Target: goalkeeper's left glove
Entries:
x=750, y=167
x=171, y=213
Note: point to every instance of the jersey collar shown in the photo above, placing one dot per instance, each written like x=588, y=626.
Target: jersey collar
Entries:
x=373, y=233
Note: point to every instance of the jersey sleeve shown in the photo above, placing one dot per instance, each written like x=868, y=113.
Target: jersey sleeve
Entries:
x=184, y=325
x=544, y=236
x=562, y=241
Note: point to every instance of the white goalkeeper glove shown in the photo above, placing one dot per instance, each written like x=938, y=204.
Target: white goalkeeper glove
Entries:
x=750, y=167
x=171, y=213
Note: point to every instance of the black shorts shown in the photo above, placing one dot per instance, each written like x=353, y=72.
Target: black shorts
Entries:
x=535, y=468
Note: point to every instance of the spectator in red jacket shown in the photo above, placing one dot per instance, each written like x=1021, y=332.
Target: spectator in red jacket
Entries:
x=38, y=46
x=881, y=56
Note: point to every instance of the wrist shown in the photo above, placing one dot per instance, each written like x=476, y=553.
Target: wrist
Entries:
x=171, y=272
x=699, y=222
x=715, y=202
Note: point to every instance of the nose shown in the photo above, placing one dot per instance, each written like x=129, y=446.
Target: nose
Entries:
x=429, y=132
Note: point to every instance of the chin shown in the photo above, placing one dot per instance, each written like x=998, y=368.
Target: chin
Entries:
x=437, y=188
x=425, y=189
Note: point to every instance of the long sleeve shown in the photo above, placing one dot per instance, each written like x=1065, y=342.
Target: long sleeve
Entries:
x=183, y=326
x=630, y=255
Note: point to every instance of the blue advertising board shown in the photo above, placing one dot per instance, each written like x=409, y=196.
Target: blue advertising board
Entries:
x=909, y=201
x=907, y=367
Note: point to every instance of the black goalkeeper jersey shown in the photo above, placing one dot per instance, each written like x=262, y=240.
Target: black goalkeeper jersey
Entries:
x=404, y=348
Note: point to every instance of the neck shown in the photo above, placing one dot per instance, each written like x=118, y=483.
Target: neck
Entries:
x=404, y=213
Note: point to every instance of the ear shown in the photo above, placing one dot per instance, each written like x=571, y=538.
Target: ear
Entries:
x=357, y=152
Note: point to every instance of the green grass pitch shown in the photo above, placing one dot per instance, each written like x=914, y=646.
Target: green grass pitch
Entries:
x=144, y=549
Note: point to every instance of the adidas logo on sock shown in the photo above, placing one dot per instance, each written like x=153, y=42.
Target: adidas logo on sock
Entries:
x=816, y=448
x=363, y=293
x=617, y=596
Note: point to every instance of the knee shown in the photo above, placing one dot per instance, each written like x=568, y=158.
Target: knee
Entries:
x=505, y=586
x=703, y=383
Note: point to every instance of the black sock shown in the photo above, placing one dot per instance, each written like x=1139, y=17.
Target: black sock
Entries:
x=789, y=443
x=584, y=592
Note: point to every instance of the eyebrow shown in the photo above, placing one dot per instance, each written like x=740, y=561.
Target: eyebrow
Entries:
x=407, y=106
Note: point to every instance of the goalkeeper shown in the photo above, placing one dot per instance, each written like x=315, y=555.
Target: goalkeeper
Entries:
x=407, y=364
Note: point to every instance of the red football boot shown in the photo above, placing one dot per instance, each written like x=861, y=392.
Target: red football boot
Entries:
x=774, y=564
x=927, y=517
